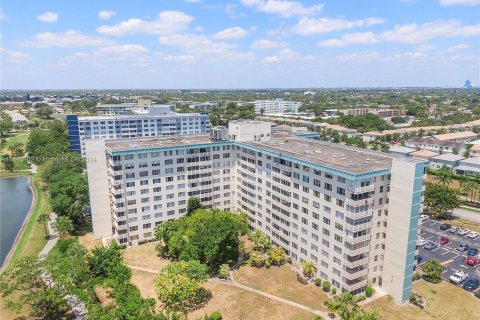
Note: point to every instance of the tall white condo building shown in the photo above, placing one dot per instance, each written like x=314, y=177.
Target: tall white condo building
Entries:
x=353, y=212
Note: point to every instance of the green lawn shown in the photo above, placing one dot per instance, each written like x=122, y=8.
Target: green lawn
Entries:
x=9, y=140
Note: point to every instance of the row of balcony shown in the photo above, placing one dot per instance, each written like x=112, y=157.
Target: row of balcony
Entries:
x=358, y=203
x=356, y=263
x=355, y=274
x=355, y=285
x=355, y=252
x=359, y=215
x=358, y=227
x=364, y=189
x=358, y=239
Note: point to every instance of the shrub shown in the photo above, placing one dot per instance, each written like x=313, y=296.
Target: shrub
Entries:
x=413, y=299
x=216, y=315
x=122, y=246
x=334, y=290
x=267, y=264
x=361, y=298
x=477, y=294
x=318, y=282
x=223, y=271
x=142, y=242
x=369, y=291
x=289, y=260
x=416, y=276
x=64, y=244
x=256, y=259
x=326, y=286
x=301, y=279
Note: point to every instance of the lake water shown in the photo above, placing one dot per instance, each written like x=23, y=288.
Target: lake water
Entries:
x=15, y=202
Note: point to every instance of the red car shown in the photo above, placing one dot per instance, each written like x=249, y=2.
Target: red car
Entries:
x=443, y=240
x=472, y=261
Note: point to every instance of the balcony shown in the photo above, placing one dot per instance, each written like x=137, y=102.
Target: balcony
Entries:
x=356, y=252
x=355, y=274
x=359, y=215
x=116, y=182
x=364, y=189
x=355, y=263
x=358, y=239
x=351, y=286
x=116, y=191
x=119, y=209
x=122, y=227
x=358, y=227
x=358, y=203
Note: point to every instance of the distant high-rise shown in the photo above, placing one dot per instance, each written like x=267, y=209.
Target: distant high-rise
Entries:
x=468, y=84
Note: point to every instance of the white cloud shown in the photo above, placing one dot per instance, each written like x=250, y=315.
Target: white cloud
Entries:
x=458, y=47
x=66, y=39
x=48, y=17
x=184, y=58
x=267, y=44
x=105, y=15
x=284, y=8
x=460, y=2
x=193, y=1
x=167, y=22
x=351, y=38
x=359, y=56
x=286, y=54
x=200, y=45
x=230, y=8
x=14, y=56
x=231, y=33
x=309, y=26
x=413, y=33
x=122, y=52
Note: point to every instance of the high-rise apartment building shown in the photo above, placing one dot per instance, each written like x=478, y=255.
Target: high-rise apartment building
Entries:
x=353, y=212
x=276, y=106
x=156, y=120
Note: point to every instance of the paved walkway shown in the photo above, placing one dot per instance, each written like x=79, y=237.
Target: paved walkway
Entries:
x=232, y=282
x=53, y=236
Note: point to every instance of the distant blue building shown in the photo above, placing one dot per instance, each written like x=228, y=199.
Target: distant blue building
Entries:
x=468, y=84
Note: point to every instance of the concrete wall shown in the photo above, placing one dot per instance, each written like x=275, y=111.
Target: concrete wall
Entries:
x=404, y=207
x=98, y=188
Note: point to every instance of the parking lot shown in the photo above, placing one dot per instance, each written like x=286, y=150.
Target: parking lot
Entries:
x=451, y=259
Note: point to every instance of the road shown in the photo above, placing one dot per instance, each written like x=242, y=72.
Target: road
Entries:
x=468, y=215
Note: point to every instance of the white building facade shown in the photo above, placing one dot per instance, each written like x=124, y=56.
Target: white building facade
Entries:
x=276, y=106
x=323, y=203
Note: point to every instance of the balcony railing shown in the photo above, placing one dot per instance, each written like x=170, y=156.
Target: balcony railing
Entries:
x=355, y=252
x=122, y=227
x=358, y=227
x=359, y=215
x=356, y=263
x=358, y=203
x=358, y=239
x=364, y=189
x=355, y=275
x=355, y=286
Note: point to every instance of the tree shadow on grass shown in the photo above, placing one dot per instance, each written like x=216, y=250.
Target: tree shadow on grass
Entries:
x=199, y=301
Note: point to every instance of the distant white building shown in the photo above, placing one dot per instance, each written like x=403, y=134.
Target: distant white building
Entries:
x=468, y=166
x=276, y=106
x=203, y=105
x=448, y=159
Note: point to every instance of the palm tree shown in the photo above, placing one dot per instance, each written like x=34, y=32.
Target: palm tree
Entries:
x=258, y=238
x=308, y=268
x=44, y=218
x=467, y=188
x=445, y=175
x=345, y=305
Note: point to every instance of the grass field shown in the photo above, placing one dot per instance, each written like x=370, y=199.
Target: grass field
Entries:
x=462, y=223
x=282, y=282
x=144, y=256
x=11, y=139
x=444, y=302
x=233, y=303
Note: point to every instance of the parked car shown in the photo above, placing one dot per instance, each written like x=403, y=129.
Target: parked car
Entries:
x=424, y=217
x=462, y=232
x=473, y=234
x=472, y=261
x=421, y=242
x=453, y=230
x=462, y=247
x=445, y=226
x=443, y=240
x=418, y=259
x=471, y=284
x=472, y=251
x=430, y=245
x=458, y=277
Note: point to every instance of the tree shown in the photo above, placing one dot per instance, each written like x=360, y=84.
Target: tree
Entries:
x=8, y=163
x=433, y=271
x=193, y=204
x=440, y=200
x=26, y=285
x=384, y=147
x=44, y=218
x=63, y=225
x=69, y=195
x=179, y=285
x=368, y=315
x=6, y=123
x=345, y=305
x=17, y=149
x=103, y=261
x=224, y=271
x=256, y=259
x=308, y=268
x=444, y=175
x=258, y=238
x=276, y=255
x=45, y=111
x=326, y=286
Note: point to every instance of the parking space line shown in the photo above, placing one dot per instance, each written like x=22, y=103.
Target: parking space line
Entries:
x=446, y=262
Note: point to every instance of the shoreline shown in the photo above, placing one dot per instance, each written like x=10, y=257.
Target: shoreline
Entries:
x=12, y=250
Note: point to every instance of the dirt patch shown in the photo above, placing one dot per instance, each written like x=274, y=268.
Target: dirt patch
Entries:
x=88, y=242
x=104, y=295
x=145, y=283
x=144, y=256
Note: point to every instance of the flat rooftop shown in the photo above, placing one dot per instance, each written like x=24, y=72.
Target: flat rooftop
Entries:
x=344, y=158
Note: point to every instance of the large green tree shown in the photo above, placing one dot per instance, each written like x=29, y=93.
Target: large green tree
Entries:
x=433, y=271
x=193, y=204
x=69, y=195
x=179, y=285
x=49, y=144
x=440, y=200
x=444, y=175
x=62, y=225
x=8, y=163
x=6, y=123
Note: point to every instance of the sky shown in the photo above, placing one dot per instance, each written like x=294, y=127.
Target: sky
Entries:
x=168, y=44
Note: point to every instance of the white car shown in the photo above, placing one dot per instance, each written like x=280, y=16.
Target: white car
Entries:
x=473, y=234
x=458, y=277
x=462, y=232
x=453, y=230
x=421, y=242
x=424, y=217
